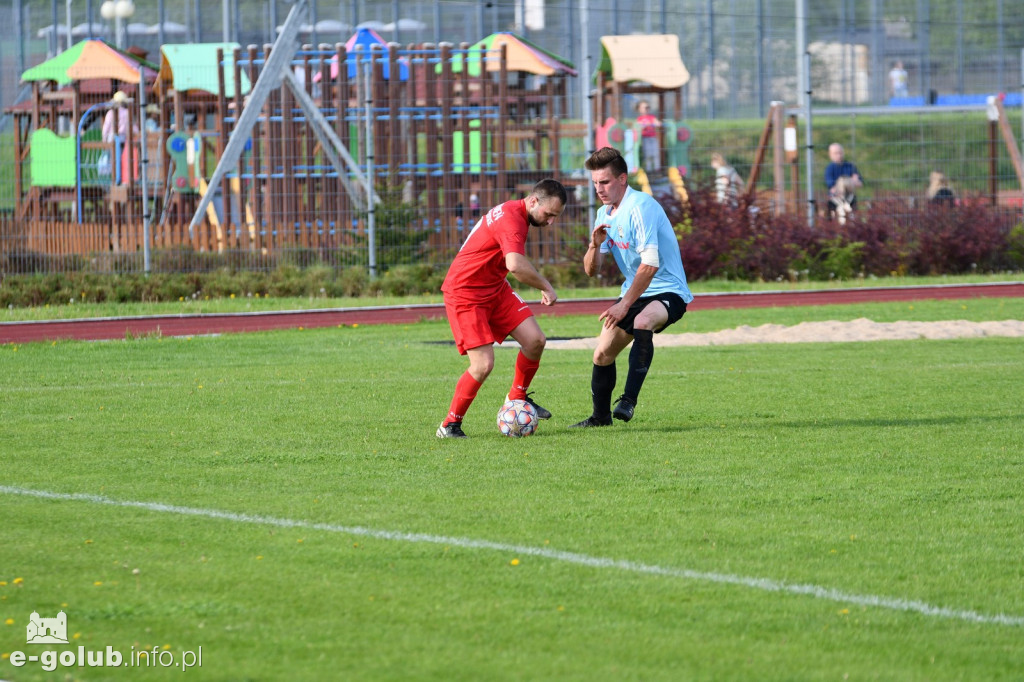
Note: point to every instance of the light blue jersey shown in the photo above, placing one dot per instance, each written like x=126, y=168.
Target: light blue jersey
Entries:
x=638, y=224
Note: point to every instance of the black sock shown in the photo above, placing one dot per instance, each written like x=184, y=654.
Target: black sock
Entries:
x=602, y=383
x=640, y=356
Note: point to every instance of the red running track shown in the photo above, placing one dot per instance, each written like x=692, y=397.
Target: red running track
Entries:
x=222, y=323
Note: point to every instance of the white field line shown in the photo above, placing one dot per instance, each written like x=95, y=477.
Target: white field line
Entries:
x=765, y=584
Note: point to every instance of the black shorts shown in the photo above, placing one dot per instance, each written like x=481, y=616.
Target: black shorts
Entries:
x=674, y=303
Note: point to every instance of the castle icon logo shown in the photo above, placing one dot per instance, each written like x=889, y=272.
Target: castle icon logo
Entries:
x=47, y=630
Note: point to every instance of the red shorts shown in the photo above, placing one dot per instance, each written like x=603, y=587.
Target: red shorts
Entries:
x=481, y=323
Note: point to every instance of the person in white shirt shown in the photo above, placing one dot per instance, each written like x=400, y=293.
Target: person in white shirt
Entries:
x=898, y=80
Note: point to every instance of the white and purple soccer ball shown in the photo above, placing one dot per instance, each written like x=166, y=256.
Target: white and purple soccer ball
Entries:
x=517, y=419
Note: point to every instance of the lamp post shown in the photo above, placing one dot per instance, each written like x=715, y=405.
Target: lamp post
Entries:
x=118, y=10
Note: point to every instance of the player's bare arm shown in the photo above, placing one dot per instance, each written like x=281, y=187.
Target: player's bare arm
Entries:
x=592, y=258
x=642, y=280
x=524, y=271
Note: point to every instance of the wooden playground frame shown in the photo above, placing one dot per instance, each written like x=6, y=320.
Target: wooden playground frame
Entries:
x=445, y=142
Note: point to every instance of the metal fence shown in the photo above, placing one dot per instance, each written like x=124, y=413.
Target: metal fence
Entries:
x=742, y=55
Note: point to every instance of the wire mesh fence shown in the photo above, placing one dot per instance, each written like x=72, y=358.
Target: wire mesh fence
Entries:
x=445, y=130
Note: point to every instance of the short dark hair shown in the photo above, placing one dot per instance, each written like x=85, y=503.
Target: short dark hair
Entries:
x=607, y=157
x=549, y=188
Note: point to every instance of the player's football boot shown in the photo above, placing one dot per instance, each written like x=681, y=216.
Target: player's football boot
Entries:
x=542, y=413
x=624, y=409
x=592, y=421
x=453, y=430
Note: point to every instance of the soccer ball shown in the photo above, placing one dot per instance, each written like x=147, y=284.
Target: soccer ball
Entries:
x=517, y=419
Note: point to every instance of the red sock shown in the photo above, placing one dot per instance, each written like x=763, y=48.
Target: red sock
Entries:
x=525, y=370
x=465, y=391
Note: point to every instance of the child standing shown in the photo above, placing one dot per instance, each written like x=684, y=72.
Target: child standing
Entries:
x=649, y=134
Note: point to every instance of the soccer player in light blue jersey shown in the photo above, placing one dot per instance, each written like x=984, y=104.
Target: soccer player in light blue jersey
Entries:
x=633, y=228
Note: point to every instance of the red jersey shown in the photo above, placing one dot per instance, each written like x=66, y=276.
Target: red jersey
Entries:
x=479, y=271
x=648, y=125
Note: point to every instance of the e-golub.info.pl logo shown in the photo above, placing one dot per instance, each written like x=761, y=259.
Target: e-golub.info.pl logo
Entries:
x=55, y=631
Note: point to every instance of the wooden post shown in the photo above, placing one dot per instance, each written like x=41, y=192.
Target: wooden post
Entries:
x=448, y=195
x=779, y=167
x=488, y=143
x=37, y=103
x=993, y=163
x=343, y=218
x=762, y=148
x=395, y=137
x=431, y=126
x=37, y=115
x=309, y=187
x=380, y=125
x=289, y=152
x=128, y=159
x=270, y=131
x=222, y=136
x=503, y=122
x=255, y=162
x=660, y=130
x=1010, y=141
x=241, y=236
x=19, y=165
x=466, y=189
x=178, y=198
x=556, y=152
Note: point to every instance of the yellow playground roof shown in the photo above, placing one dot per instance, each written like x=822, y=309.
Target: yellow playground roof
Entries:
x=652, y=59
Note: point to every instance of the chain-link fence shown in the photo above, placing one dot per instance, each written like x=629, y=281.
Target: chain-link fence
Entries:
x=741, y=53
x=446, y=130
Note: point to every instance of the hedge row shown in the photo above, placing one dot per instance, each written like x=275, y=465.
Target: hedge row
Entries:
x=886, y=238
x=717, y=241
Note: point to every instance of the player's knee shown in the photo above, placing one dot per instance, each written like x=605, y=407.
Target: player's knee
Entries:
x=535, y=346
x=481, y=368
x=602, y=358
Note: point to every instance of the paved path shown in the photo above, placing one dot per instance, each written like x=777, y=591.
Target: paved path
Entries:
x=221, y=323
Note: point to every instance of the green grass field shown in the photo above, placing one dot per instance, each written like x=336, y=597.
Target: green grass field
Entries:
x=774, y=512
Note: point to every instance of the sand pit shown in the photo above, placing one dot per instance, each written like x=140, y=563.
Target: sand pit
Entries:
x=825, y=332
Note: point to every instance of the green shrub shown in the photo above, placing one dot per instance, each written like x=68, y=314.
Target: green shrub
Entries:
x=834, y=260
x=286, y=281
x=406, y=280
x=1015, y=247
x=351, y=282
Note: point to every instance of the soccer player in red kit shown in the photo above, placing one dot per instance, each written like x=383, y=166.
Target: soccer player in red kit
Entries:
x=480, y=303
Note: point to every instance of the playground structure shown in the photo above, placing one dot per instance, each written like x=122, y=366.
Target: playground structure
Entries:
x=635, y=68
x=441, y=130
x=62, y=168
